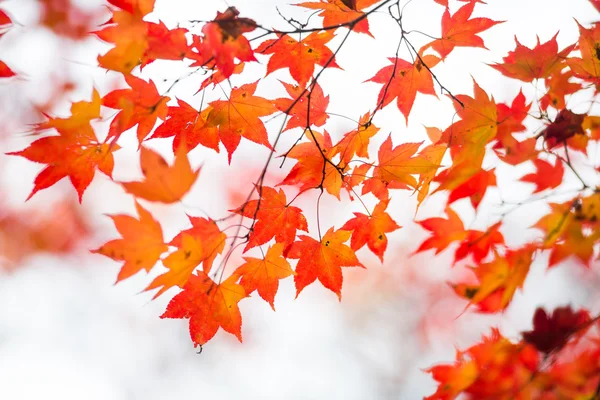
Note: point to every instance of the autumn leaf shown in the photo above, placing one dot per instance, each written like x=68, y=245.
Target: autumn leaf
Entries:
x=138, y=7
x=480, y=243
x=140, y=105
x=551, y=332
x=453, y=378
x=164, y=43
x=540, y=62
x=588, y=66
x=75, y=152
x=402, y=81
x=312, y=170
x=371, y=229
x=163, y=183
x=128, y=32
x=209, y=306
x=274, y=218
x=547, y=176
x=322, y=260
x=443, y=231
x=565, y=126
x=300, y=57
x=559, y=87
x=299, y=114
x=460, y=30
x=263, y=275
x=190, y=126
x=210, y=238
x=343, y=12
x=141, y=245
x=5, y=71
x=396, y=168
x=224, y=40
x=239, y=116
x=433, y=153
x=498, y=280
x=181, y=264
x=356, y=142
x=475, y=188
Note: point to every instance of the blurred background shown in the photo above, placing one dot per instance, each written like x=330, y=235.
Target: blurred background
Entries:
x=68, y=332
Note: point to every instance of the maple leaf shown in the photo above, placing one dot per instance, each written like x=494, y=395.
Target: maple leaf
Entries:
x=323, y=260
x=498, y=280
x=343, y=12
x=224, y=40
x=453, y=378
x=128, y=32
x=551, y=333
x=300, y=57
x=208, y=305
x=5, y=22
x=140, y=105
x=479, y=243
x=444, y=231
x=566, y=125
x=190, y=126
x=207, y=233
x=312, y=169
x=396, y=168
x=240, y=116
x=468, y=137
x=371, y=229
x=163, y=183
x=263, y=275
x=164, y=43
x=75, y=153
x=547, y=176
x=588, y=66
x=274, y=217
x=141, y=245
x=299, y=111
x=5, y=71
x=559, y=86
x=402, y=81
x=460, y=30
x=475, y=188
x=356, y=142
x=181, y=264
x=434, y=153
x=528, y=64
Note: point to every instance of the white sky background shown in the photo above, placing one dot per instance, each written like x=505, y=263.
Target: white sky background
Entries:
x=67, y=333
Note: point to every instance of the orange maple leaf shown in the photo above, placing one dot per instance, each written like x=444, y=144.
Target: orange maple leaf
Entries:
x=300, y=57
x=163, y=183
x=208, y=305
x=396, y=168
x=460, y=30
x=356, y=142
x=475, y=188
x=498, y=280
x=323, y=260
x=141, y=246
x=181, y=264
x=211, y=238
x=164, y=43
x=140, y=105
x=540, y=62
x=547, y=176
x=443, y=231
x=588, y=66
x=371, y=229
x=299, y=115
x=239, y=116
x=224, y=40
x=75, y=153
x=343, y=12
x=402, y=81
x=188, y=124
x=312, y=170
x=434, y=153
x=274, y=218
x=263, y=275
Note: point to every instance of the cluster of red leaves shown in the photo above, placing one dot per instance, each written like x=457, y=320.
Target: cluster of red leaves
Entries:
x=452, y=163
x=558, y=359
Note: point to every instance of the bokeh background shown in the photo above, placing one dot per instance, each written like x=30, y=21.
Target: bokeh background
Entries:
x=68, y=332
